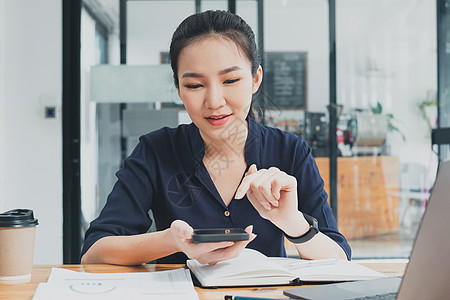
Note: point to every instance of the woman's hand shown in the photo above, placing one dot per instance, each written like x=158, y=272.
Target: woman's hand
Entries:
x=273, y=193
x=206, y=253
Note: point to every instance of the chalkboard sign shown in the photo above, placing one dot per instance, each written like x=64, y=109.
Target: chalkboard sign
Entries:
x=285, y=82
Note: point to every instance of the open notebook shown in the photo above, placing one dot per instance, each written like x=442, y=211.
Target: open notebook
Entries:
x=253, y=268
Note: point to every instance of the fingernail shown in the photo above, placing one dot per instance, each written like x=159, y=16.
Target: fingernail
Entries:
x=276, y=204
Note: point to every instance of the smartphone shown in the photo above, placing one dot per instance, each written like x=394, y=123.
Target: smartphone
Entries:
x=219, y=235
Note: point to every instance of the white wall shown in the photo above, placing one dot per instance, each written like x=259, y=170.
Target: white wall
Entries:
x=150, y=27
x=31, y=146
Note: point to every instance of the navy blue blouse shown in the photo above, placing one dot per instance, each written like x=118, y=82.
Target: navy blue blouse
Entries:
x=165, y=174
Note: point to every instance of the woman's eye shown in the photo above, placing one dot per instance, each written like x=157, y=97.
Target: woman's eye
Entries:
x=230, y=81
x=193, y=86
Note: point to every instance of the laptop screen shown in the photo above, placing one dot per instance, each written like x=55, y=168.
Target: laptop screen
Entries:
x=428, y=271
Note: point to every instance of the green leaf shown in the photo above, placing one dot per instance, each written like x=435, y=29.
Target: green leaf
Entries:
x=377, y=109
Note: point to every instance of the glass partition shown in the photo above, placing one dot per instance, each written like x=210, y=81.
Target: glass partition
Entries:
x=386, y=79
x=296, y=71
x=296, y=67
x=99, y=40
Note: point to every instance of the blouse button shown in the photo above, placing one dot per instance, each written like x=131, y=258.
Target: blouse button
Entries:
x=226, y=213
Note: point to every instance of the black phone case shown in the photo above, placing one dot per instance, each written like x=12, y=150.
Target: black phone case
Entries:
x=219, y=235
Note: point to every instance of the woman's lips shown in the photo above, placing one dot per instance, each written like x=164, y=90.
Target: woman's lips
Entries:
x=218, y=120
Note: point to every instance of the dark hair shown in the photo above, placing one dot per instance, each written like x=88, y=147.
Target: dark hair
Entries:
x=214, y=22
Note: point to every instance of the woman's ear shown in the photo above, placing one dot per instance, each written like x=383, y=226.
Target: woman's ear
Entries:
x=257, y=79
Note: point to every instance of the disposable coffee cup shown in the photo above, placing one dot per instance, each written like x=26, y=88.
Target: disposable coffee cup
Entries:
x=17, y=233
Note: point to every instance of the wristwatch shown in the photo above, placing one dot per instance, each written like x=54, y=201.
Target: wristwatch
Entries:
x=313, y=230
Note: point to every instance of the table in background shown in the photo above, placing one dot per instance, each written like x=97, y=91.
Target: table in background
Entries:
x=368, y=194
x=41, y=273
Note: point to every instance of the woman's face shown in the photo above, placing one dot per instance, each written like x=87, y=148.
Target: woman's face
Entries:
x=216, y=85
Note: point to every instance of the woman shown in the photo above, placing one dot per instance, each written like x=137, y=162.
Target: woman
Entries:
x=222, y=170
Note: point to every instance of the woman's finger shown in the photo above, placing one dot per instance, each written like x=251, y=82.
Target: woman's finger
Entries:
x=256, y=204
x=209, y=247
x=182, y=229
x=259, y=197
x=276, y=186
x=261, y=186
x=245, y=184
x=252, y=169
x=225, y=253
x=266, y=188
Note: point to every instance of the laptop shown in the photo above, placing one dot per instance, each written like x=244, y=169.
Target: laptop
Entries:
x=428, y=271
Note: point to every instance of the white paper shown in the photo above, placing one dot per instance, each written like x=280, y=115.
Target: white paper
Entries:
x=327, y=269
x=68, y=285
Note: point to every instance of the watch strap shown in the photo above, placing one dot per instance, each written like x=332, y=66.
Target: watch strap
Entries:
x=313, y=230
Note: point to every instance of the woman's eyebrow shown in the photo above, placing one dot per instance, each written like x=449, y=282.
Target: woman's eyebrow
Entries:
x=196, y=75
x=222, y=72
x=228, y=70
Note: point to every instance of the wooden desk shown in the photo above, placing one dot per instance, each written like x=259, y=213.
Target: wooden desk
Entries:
x=41, y=273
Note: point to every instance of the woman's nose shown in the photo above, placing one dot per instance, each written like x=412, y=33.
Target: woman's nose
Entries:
x=214, y=98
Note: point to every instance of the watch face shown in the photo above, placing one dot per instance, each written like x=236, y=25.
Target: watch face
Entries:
x=312, y=221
